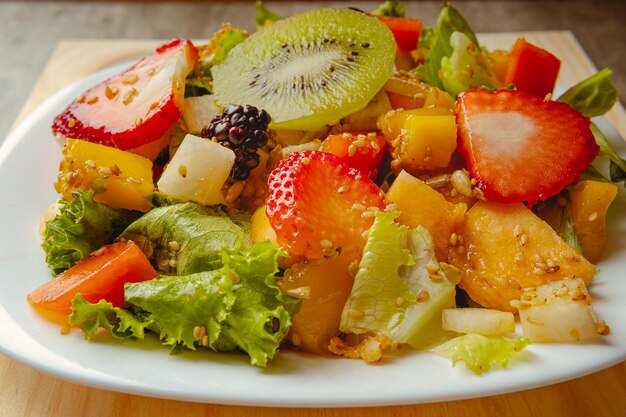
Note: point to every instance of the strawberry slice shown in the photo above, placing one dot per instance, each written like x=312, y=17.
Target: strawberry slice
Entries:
x=519, y=147
x=136, y=107
x=361, y=150
x=318, y=205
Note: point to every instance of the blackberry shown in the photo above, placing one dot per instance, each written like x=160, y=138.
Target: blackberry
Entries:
x=243, y=129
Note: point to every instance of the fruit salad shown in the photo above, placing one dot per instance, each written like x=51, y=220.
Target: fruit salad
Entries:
x=340, y=182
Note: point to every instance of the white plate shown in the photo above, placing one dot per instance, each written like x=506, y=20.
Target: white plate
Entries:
x=28, y=165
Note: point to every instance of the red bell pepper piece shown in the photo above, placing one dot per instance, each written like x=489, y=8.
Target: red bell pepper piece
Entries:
x=101, y=276
x=532, y=69
x=406, y=31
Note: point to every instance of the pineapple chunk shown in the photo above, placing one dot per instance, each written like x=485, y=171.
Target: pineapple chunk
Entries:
x=198, y=112
x=438, y=216
x=261, y=230
x=197, y=171
x=420, y=139
x=504, y=248
x=478, y=320
x=559, y=312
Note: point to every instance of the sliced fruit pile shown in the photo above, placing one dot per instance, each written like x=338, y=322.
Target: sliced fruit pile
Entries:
x=386, y=192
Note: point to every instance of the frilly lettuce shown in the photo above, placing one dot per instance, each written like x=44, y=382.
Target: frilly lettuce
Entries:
x=81, y=227
x=201, y=232
x=393, y=292
x=440, y=45
x=467, y=67
x=264, y=15
x=480, y=353
x=238, y=306
x=392, y=8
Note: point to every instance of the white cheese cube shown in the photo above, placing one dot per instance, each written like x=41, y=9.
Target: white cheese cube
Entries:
x=197, y=171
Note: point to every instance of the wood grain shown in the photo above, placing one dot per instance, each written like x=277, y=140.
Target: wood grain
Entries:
x=27, y=392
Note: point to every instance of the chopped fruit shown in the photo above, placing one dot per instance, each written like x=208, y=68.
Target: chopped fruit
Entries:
x=197, y=171
x=324, y=285
x=406, y=92
x=366, y=118
x=532, y=69
x=242, y=129
x=136, y=107
x=120, y=179
x=100, y=277
x=590, y=201
x=361, y=150
x=421, y=205
x=478, y=320
x=505, y=248
x=499, y=64
x=419, y=139
x=406, y=31
x=518, y=147
x=261, y=230
x=559, y=312
x=198, y=113
x=318, y=205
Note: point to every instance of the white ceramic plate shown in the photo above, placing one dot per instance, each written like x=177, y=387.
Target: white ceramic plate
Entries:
x=28, y=165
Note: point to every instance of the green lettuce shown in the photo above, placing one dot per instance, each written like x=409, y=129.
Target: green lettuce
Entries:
x=481, y=353
x=392, y=281
x=593, y=96
x=82, y=226
x=239, y=306
x=392, y=8
x=467, y=67
x=200, y=232
x=439, y=46
x=263, y=15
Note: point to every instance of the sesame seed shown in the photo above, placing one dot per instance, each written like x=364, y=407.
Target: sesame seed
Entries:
x=541, y=265
x=515, y=304
x=129, y=95
x=174, y=245
x=172, y=263
x=205, y=341
x=358, y=177
x=514, y=284
x=303, y=293
x=356, y=314
x=539, y=271
x=154, y=105
x=80, y=99
x=553, y=269
x=329, y=252
x=358, y=206
x=353, y=268
x=534, y=321
x=519, y=256
x=132, y=180
x=92, y=100
x=523, y=239
x=182, y=170
x=368, y=213
x=436, y=277
x=593, y=216
x=517, y=231
x=400, y=301
x=98, y=251
x=461, y=182
x=351, y=150
x=461, y=240
x=138, y=121
x=343, y=189
x=391, y=207
x=151, y=71
x=306, y=160
x=110, y=93
x=359, y=143
x=562, y=291
x=105, y=171
x=71, y=123
x=432, y=268
x=454, y=239
x=460, y=249
x=326, y=244
x=131, y=79
x=423, y=295
x=90, y=163
x=375, y=146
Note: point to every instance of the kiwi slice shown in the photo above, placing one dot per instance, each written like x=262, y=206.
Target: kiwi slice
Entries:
x=309, y=69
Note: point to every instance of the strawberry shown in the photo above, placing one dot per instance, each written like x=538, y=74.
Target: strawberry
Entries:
x=136, y=107
x=318, y=205
x=361, y=150
x=519, y=147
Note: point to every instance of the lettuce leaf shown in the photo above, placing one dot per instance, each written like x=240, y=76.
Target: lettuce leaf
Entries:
x=201, y=232
x=264, y=15
x=593, y=96
x=392, y=8
x=239, y=306
x=391, y=283
x=82, y=226
x=467, y=67
x=438, y=43
x=480, y=353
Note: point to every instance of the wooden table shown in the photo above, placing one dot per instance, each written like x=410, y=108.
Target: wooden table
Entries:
x=28, y=392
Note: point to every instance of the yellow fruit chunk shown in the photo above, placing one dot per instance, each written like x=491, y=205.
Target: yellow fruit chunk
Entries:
x=407, y=92
x=505, y=248
x=324, y=286
x=499, y=64
x=420, y=139
x=590, y=201
x=153, y=149
x=421, y=205
x=120, y=179
x=261, y=229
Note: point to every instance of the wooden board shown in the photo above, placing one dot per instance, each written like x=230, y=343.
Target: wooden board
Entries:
x=28, y=392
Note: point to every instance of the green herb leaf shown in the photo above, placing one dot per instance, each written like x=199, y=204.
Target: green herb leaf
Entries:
x=593, y=96
x=392, y=8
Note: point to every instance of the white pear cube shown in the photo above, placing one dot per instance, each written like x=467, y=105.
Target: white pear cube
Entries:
x=478, y=320
x=198, y=112
x=559, y=312
x=197, y=171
